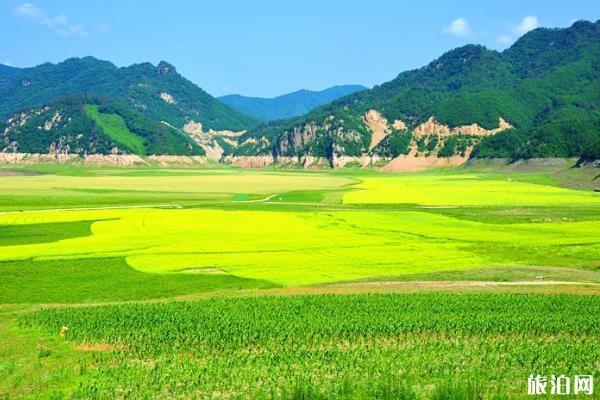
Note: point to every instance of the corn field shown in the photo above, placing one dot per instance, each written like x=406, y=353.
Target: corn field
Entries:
x=329, y=346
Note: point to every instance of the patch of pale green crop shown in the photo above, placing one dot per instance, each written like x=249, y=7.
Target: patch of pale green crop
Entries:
x=230, y=183
x=97, y=189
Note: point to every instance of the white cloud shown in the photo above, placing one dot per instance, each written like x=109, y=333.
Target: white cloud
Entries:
x=60, y=24
x=505, y=40
x=7, y=63
x=527, y=24
x=458, y=27
x=29, y=10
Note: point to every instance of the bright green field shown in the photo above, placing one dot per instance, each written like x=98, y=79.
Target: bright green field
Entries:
x=83, y=236
x=114, y=126
x=378, y=346
x=235, y=232
x=464, y=189
x=296, y=248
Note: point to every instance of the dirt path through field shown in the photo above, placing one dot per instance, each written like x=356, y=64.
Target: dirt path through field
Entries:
x=94, y=208
x=466, y=283
x=256, y=200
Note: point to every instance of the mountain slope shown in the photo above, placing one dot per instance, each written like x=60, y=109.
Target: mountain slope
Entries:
x=158, y=92
x=287, y=105
x=541, y=97
x=89, y=125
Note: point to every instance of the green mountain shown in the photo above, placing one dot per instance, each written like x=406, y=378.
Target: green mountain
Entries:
x=539, y=98
x=157, y=92
x=6, y=72
x=85, y=124
x=288, y=105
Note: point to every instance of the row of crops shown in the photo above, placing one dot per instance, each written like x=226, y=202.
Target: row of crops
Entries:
x=330, y=346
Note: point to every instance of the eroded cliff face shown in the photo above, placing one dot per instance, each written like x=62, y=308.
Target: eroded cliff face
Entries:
x=212, y=142
x=433, y=127
x=370, y=140
x=317, y=142
x=412, y=163
x=298, y=140
x=118, y=160
x=334, y=141
x=378, y=126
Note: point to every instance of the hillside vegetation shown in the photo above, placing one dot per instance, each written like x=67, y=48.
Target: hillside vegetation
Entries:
x=546, y=86
x=90, y=125
x=158, y=92
x=539, y=98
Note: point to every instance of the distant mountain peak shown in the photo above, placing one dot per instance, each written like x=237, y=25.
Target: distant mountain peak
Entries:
x=143, y=86
x=287, y=105
x=164, y=68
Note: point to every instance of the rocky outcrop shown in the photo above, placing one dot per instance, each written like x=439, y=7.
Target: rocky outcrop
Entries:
x=306, y=162
x=36, y=158
x=226, y=133
x=369, y=140
x=411, y=163
x=207, y=141
x=433, y=127
x=55, y=118
x=378, y=126
x=193, y=128
x=250, y=161
x=296, y=140
x=121, y=160
x=363, y=161
x=177, y=160
x=118, y=160
x=167, y=98
x=399, y=125
x=212, y=149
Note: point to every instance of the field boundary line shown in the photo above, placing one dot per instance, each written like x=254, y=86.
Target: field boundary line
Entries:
x=92, y=208
x=256, y=200
x=467, y=283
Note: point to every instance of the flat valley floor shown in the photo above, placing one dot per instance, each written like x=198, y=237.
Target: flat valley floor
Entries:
x=285, y=284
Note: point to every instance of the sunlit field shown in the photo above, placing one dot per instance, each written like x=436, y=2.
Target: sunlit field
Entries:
x=77, y=188
x=377, y=346
x=464, y=190
x=74, y=236
x=295, y=248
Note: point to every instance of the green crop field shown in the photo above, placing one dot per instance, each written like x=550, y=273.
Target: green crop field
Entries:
x=115, y=128
x=225, y=283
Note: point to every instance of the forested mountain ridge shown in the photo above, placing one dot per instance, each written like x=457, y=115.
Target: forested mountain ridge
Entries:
x=288, y=105
x=539, y=98
x=158, y=92
x=85, y=124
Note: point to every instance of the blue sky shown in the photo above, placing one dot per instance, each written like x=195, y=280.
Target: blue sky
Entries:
x=271, y=47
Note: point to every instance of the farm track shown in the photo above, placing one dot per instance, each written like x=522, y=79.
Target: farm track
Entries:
x=469, y=283
x=388, y=287
x=93, y=208
x=256, y=200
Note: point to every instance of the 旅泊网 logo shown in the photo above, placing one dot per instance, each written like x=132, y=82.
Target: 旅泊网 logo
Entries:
x=560, y=385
